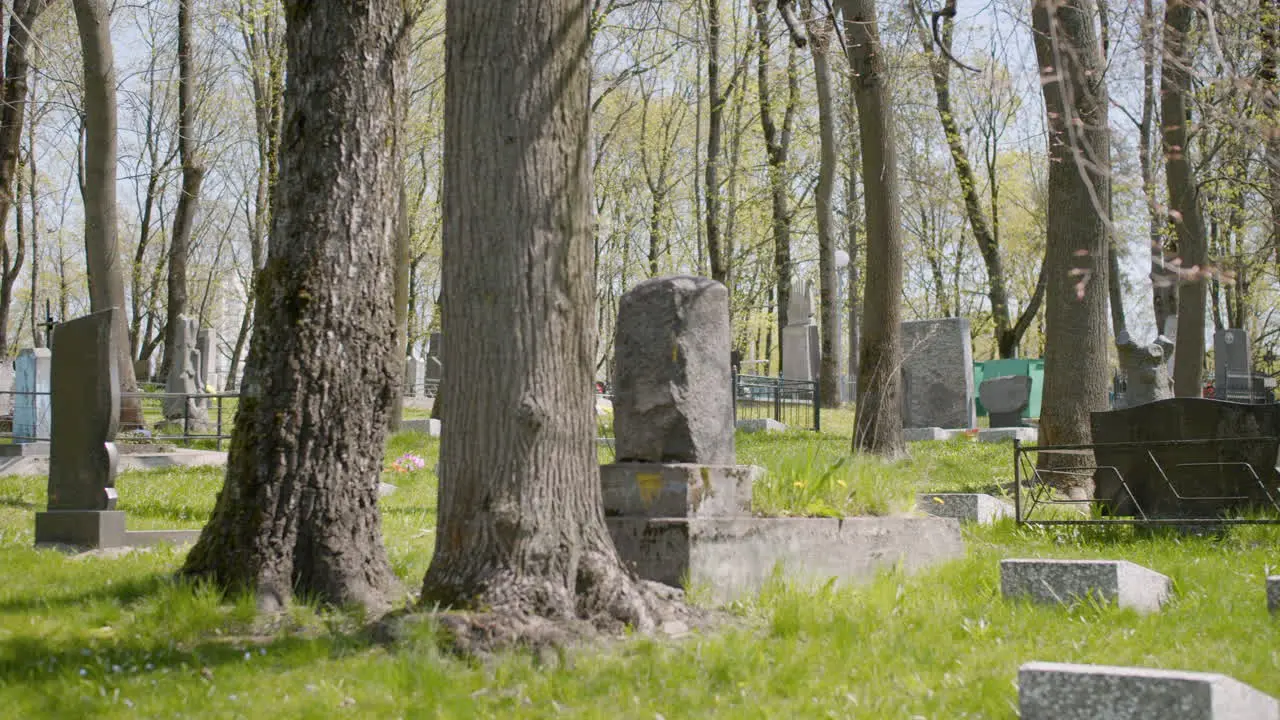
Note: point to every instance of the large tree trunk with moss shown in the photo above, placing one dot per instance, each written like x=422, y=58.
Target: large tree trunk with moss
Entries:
x=1184, y=199
x=299, y=510
x=1076, y=320
x=521, y=533
x=101, y=241
x=878, y=427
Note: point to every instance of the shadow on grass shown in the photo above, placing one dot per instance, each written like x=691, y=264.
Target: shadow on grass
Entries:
x=124, y=593
x=19, y=504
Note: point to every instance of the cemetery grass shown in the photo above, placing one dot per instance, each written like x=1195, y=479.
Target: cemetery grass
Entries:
x=118, y=637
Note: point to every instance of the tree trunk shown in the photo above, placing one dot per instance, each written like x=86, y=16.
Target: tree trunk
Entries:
x=1076, y=353
x=102, y=253
x=852, y=228
x=878, y=427
x=820, y=30
x=776, y=143
x=718, y=256
x=1184, y=200
x=299, y=510
x=37, y=340
x=189, y=197
x=521, y=531
x=404, y=236
x=1164, y=284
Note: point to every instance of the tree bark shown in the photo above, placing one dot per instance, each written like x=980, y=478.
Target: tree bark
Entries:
x=1076, y=352
x=102, y=252
x=521, y=531
x=777, y=142
x=1184, y=200
x=299, y=510
x=1164, y=284
x=404, y=237
x=853, y=161
x=820, y=31
x=189, y=196
x=878, y=425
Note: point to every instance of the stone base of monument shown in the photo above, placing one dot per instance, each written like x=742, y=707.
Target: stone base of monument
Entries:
x=1022, y=434
x=731, y=558
x=966, y=507
x=930, y=433
x=682, y=490
x=97, y=529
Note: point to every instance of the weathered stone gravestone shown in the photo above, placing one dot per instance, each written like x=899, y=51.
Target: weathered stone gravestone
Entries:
x=673, y=397
x=83, y=457
x=33, y=409
x=1005, y=398
x=1062, y=691
x=6, y=389
x=1214, y=458
x=184, y=379
x=1232, y=366
x=207, y=370
x=967, y=507
x=677, y=506
x=1061, y=582
x=801, y=353
x=413, y=375
x=1146, y=370
x=937, y=374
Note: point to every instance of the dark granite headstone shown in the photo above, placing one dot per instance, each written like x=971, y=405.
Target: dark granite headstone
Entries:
x=86, y=415
x=1180, y=480
x=1005, y=398
x=1232, y=366
x=673, y=400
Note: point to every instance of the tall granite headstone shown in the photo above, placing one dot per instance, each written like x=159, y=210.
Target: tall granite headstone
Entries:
x=1146, y=370
x=413, y=375
x=673, y=396
x=937, y=374
x=184, y=379
x=1232, y=366
x=82, y=462
x=32, y=407
x=207, y=371
x=801, y=353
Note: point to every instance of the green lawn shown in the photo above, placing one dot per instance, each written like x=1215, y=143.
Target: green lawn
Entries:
x=112, y=637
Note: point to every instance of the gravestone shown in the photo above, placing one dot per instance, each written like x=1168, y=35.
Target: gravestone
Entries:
x=801, y=353
x=144, y=370
x=966, y=507
x=1232, y=366
x=83, y=458
x=1005, y=398
x=6, y=389
x=673, y=396
x=1146, y=369
x=413, y=375
x=1061, y=582
x=207, y=371
x=937, y=374
x=32, y=406
x=1273, y=593
x=1209, y=471
x=184, y=379
x=1063, y=691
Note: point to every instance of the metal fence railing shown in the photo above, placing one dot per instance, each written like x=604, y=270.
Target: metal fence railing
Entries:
x=181, y=418
x=793, y=403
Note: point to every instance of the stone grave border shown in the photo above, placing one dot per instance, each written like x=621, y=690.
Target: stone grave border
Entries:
x=1026, y=502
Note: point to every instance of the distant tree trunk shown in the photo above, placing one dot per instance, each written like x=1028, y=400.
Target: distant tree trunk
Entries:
x=299, y=510
x=192, y=178
x=106, y=277
x=404, y=237
x=777, y=143
x=521, y=532
x=37, y=340
x=1115, y=279
x=852, y=228
x=1164, y=283
x=1076, y=348
x=1184, y=199
x=1269, y=23
x=820, y=31
x=878, y=427
x=16, y=69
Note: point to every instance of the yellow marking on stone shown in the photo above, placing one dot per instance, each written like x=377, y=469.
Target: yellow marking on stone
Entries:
x=939, y=500
x=650, y=485
x=706, y=478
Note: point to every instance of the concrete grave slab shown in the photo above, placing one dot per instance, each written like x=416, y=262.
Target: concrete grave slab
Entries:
x=1022, y=434
x=1062, y=691
x=971, y=507
x=766, y=425
x=1273, y=593
x=430, y=427
x=677, y=490
x=731, y=558
x=1066, y=581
